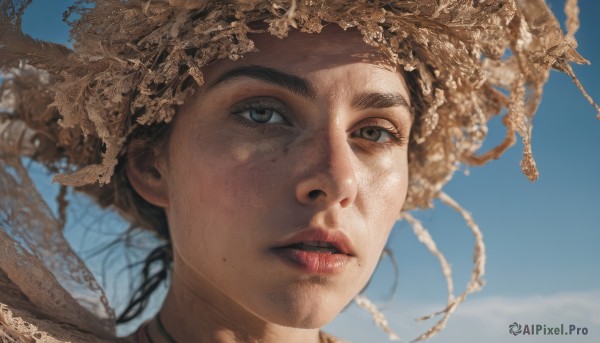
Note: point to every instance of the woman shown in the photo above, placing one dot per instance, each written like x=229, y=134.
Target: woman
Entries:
x=274, y=168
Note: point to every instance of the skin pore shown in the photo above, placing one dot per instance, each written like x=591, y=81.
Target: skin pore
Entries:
x=309, y=132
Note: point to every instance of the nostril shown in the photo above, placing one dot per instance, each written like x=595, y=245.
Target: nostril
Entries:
x=315, y=194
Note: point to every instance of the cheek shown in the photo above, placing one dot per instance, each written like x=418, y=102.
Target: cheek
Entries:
x=384, y=194
x=389, y=183
x=217, y=192
x=190, y=220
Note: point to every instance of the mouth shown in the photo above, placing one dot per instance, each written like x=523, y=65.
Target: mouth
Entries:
x=316, y=246
x=316, y=251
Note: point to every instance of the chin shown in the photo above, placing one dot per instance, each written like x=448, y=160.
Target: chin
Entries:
x=303, y=313
x=313, y=320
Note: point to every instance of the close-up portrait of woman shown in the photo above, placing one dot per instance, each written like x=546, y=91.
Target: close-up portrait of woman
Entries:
x=246, y=171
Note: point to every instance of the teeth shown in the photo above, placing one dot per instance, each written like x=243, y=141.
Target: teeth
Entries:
x=318, y=244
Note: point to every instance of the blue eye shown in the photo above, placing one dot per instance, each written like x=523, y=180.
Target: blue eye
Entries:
x=263, y=116
x=374, y=133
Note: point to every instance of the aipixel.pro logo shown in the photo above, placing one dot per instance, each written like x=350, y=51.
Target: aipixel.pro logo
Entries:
x=516, y=329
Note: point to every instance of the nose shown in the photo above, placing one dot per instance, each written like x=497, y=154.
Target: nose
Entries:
x=329, y=177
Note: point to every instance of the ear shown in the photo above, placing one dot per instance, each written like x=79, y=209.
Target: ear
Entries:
x=145, y=168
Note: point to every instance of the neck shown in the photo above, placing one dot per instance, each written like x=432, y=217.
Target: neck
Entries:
x=196, y=311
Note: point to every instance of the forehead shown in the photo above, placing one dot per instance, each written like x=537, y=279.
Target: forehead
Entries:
x=323, y=54
x=312, y=51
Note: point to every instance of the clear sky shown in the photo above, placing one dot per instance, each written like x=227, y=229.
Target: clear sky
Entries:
x=543, y=259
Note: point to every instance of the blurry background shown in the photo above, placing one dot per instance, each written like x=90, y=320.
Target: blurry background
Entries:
x=542, y=238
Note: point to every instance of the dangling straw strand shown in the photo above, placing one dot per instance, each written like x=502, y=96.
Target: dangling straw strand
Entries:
x=572, y=12
x=479, y=257
x=475, y=283
x=378, y=317
x=425, y=238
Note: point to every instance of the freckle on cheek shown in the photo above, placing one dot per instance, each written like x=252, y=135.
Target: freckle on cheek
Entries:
x=224, y=260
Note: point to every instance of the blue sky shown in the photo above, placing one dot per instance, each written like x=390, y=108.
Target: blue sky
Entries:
x=543, y=259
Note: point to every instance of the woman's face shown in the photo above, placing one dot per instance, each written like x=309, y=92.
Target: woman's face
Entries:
x=301, y=144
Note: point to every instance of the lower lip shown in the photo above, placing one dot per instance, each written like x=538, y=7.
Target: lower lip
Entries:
x=313, y=262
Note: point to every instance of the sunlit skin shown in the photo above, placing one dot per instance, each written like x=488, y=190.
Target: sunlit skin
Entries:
x=251, y=162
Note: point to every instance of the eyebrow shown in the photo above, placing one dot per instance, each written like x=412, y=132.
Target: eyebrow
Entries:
x=295, y=84
x=380, y=100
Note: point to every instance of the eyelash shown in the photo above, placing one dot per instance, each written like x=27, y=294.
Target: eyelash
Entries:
x=397, y=137
x=260, y=105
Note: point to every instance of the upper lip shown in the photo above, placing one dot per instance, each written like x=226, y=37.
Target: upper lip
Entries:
x=336, y=238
